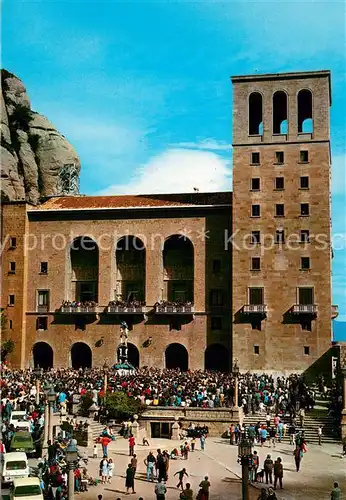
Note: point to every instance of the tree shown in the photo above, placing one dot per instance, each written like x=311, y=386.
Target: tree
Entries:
x=7, y=346
x=122, y=406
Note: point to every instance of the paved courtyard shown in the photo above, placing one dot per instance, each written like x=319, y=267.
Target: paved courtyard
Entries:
x=320, y=467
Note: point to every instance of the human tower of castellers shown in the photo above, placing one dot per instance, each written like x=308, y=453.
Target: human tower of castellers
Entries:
x=282, y=403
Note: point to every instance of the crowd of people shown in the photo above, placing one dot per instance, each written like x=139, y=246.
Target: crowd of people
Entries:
x=76, y=303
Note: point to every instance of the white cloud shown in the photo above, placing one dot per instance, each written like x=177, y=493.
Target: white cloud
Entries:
x=208, y=144
x=178, y=171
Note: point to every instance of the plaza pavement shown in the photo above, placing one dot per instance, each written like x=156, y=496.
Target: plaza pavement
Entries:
x=321, y=466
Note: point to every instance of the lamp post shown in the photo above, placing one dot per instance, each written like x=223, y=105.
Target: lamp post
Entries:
x=244, y=454
x=71, y=460
x=37, y=373
x=235, y=372
x=105, y=379
x=51, y=397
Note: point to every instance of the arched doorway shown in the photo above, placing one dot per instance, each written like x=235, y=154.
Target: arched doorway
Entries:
x=178, y=267
x=81, y=356
x=216, y=357
x=176, y=356
x=133, y=355
x=84, y=258
x=43, y=355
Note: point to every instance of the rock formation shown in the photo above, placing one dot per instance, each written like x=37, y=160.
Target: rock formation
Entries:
x=33, y=153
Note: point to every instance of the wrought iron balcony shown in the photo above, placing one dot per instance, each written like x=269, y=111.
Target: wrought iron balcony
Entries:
x=304, y=309
x=78, y=309
x=255, y=309
x=174, y=309
x=335, y=312
x=122, y=309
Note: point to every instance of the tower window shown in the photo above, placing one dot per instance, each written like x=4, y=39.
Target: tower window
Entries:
x=12, y=269
x=280, y=112
x=255, y=264
x=306, y=350
x=304, y=236
x=255, y=184
x=255, y=210
x=11, y=300
x=305, y=263
x=279, y=210
x=42, y=323
x=304, y=182
x=279, y=157
x=255, y=114
x=256, y=349
x=255, y=237
x=13, y=243
x=305, y=123
x=216, y=266
x=280, y=183
x=280, y=236
x=305, y=296
x=216, y=323
x=304, y=209
x=44, y=267
x=256, y=296
x=216, y=297
x=304, y=156
x=255, y=158
x=11, y=324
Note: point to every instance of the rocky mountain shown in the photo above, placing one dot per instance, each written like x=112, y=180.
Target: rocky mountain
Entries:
x=35, y=157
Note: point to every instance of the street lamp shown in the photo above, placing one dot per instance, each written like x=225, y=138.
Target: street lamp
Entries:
x=37, y=372
x=71, y=460
x=235, y=372
x=245, y=454
x=105, y=380
x=51, y=398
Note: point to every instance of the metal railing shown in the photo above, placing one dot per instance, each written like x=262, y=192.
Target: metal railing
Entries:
x=255, y=308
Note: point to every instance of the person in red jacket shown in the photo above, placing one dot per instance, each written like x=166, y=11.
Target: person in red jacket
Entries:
x=105, y=442
x=131, y=445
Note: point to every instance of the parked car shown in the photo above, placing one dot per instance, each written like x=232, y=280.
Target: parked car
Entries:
x=28, y=488
x=22, y=441
x=16, y=416
x=22, y=425
x=15, y=465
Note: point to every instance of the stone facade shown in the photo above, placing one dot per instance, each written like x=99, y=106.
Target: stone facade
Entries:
x=270, y=336
x=293, y=340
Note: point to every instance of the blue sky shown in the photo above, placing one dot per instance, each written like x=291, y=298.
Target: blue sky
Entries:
x=142, y=89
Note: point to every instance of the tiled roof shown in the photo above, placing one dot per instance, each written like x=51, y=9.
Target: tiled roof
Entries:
x=135, y=201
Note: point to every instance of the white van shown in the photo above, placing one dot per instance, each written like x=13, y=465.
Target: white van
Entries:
x=15, y=465
x=17, y=415
x=28, y=488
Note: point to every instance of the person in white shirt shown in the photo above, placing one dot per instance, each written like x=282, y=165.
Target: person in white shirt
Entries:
x=160, y=490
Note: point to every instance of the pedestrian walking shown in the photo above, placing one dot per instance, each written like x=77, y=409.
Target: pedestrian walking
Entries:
x=319, y=433
x=129, y=480
x=134, y=462
x=160, y=490
x=181, y=473
x=335, y=494
x=298, y=455
x=193, y=443
x=278, y=472
x=110, y=470
x=104, y=470
x=132, y=444
x=150, y=463
x=203, y=493
x=202, y=441
x=268, y=469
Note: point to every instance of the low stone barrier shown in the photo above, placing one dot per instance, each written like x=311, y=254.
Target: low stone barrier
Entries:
x=218, y=420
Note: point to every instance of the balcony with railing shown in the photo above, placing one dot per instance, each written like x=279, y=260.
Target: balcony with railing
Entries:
x=120, y=307
x=175, y=308
x=304, y=309
x=335, y=311
x=43, y=308
x=78, y=307
x=255, y=309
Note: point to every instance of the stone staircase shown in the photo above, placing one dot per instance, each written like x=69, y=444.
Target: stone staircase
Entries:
x=96, y=428
x=313, y=419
